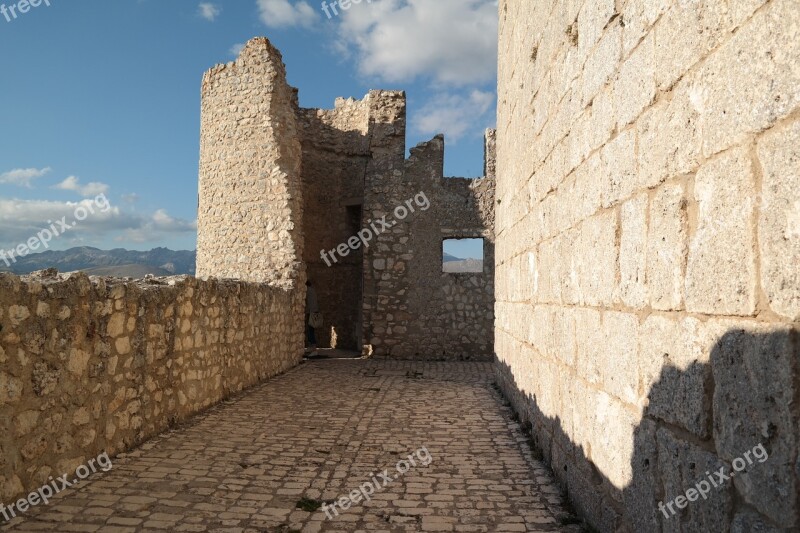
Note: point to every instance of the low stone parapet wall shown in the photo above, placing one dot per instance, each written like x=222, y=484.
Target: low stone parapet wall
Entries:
x=98, y=365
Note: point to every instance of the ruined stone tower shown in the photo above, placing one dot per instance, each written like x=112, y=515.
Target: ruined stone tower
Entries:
x=281, y=187
x=250, y=202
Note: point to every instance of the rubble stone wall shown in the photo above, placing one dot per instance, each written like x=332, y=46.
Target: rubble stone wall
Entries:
x=283, y=186
x=412, y=308
x=392, y=293
x=88, y=366
x=647, y=252
x=250, y=207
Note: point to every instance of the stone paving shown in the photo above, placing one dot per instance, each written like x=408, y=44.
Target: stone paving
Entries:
x=262, y=461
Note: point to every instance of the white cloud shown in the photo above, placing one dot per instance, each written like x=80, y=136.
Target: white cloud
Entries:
x=158, y=224
x=163, y=222
x=286, y=13
x=72, y=183
x=208, y=11
x=454, y=114
x=22, y=219
x=134, y=235
x=23, y=176
x=236, y=49
x=452, y=42
x=131, y=198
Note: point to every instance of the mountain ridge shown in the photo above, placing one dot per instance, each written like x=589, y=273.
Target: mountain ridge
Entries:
x=116, y=262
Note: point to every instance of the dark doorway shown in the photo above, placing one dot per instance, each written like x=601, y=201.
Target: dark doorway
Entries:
x=354, y=270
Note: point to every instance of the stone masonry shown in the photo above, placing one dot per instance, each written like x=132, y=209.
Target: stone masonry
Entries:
x=92, y=365
x=280, y=184
x=412, y=309
x=640, y=207
x=250, y=212
x=648, y=252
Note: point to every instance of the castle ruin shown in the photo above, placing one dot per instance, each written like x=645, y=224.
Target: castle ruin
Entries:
x=282, y=186
x=640, y=217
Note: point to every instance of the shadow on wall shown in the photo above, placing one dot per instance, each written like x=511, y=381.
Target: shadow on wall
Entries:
x=740, y=476
x=334, y=163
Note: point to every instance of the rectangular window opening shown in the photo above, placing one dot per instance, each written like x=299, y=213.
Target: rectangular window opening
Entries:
x=462, y=255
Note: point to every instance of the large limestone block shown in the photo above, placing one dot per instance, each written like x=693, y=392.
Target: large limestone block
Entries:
x=619, y=362
x=639, y=17
x=779, y=219
x=589, y=342
x=682, y=465
x=666, y=247
x=670, y=137
x=633, y=253
x=592, y=21
x=544, y=390
x=635, y=86
x=685, y=34
x=673, y=368
x=596, y=254
x=721, y=270
x=603, y=63
x=551, y=276
x=563, y=335
x=621, y=178
x=640, y=496
x=753, y=404
x=612, y=429
x=753, y=80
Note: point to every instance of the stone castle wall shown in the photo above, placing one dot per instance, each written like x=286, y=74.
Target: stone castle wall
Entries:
x=250, y=208
x=647, y=250
x=412, y=308
x=280, y=184
x=356, y=172
x=93, y=365
x=392, y=294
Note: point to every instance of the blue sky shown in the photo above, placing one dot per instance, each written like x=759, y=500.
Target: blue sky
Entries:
x=102, y=97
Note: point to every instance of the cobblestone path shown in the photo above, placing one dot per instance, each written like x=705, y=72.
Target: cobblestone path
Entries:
x=262, y=461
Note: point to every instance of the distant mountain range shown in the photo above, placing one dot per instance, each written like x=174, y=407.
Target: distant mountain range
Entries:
x=118, y=262
x=463, y=265
x=456, y=264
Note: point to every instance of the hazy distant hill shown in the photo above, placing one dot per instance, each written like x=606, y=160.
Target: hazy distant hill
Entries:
x=127, y=271
x=463, y=265
x=159, y=262
x=118, y=262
